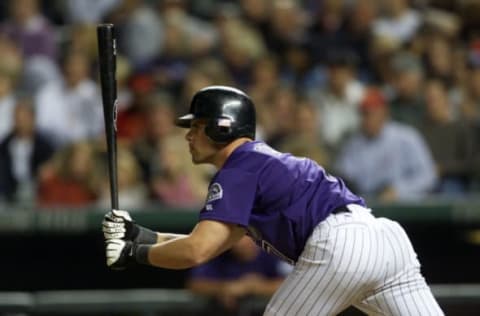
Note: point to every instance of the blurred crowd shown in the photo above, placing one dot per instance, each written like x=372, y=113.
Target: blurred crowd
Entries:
x=385, y=94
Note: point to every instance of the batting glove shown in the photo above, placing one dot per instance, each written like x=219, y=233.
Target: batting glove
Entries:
x=121, y=253
x=118, y=224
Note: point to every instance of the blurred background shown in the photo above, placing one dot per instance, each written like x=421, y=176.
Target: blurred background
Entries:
x=385, y=94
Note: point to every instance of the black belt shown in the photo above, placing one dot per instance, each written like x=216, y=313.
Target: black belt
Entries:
x=341, y=209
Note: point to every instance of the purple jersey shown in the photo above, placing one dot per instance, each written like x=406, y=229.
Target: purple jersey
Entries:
x=278, y=197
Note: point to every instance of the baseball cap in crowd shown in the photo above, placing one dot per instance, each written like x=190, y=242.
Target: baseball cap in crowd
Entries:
x=372, y=99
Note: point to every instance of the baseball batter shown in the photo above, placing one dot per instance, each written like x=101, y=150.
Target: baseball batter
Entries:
x=292, y=208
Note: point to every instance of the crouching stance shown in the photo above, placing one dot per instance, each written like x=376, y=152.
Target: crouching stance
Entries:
x=292, y=208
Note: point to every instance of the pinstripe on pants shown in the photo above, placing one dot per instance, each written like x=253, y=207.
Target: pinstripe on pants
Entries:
x=355, y=259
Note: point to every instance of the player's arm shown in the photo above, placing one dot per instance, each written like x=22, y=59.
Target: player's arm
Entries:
x=207, y=240
x=162, y=237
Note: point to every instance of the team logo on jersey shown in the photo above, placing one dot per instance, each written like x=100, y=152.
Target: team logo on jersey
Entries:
x=215, y=192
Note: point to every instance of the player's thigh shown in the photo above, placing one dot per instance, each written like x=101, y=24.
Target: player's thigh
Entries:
x=330, y=274
x=402, y=290
x=408, y=295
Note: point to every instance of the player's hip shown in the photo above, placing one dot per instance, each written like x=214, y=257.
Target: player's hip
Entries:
x=357, y=235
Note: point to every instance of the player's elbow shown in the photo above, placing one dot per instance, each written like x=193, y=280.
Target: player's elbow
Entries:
x=199, y=253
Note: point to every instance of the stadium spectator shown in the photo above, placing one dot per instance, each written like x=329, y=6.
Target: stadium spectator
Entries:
x=287, y=25
x=338, y=100
x=22, y=153
x=81, y=37
x=470, y=106
x=88, y=11
x=69, y=179
x=244, y=271
x=140, y=31
x=282, y=112
x=257, y=13
x=197, y=36
x=306, y=141
x=11, y=64
x=131, y=115
x=298, y=69
x=7, y=103
x=186, y=39
x=358, y=34
x=386, y=160
x=30, y=29
x=265, y=81
x=240, y=46
x=132, y=192
x=265, y=78
x=257, y=45
x=438, y=58
x=450, y=141
x=408, y=102
x=325, y=31
x=174, y=182
x=70, y=110
x=158, y=125
x=398, y=21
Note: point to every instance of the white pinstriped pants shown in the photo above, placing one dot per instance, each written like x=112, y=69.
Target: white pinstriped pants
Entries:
x=355, y=259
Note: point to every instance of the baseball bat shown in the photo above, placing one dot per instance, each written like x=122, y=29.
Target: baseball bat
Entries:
x=107, y=68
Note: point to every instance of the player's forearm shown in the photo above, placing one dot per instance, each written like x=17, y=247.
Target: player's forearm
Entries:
x=162, y=237
x=207, y=240
x=181, y=252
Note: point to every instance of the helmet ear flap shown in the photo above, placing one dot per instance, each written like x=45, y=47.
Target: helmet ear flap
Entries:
x=219, y=130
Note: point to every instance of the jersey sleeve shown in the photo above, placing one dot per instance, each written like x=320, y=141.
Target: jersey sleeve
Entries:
x=231, y=197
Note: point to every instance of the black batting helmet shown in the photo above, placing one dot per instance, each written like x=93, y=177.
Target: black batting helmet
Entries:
x=230, y=113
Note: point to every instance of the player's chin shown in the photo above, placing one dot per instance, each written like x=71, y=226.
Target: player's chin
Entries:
x=198, y=160
x=195, y=159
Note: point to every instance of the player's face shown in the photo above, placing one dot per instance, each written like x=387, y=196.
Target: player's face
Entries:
x=201, y=147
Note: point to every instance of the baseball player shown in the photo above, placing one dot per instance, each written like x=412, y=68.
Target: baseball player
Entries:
x=292, y=208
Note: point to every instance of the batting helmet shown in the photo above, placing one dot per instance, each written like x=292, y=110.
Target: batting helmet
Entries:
x=230, y=113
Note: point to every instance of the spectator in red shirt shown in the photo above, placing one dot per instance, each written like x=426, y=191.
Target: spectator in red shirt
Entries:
x=69, y=179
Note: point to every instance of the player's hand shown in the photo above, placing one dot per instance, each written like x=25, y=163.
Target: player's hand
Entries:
x=119, y=253
x=118, y=224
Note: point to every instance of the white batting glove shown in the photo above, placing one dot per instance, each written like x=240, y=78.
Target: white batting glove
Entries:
x=118, y=253
x=118, y=224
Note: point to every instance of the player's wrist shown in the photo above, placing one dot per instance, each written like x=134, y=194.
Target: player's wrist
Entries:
x=141, y=253
x=145, y=236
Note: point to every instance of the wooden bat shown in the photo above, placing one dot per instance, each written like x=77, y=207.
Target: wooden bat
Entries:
x=107, y=63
